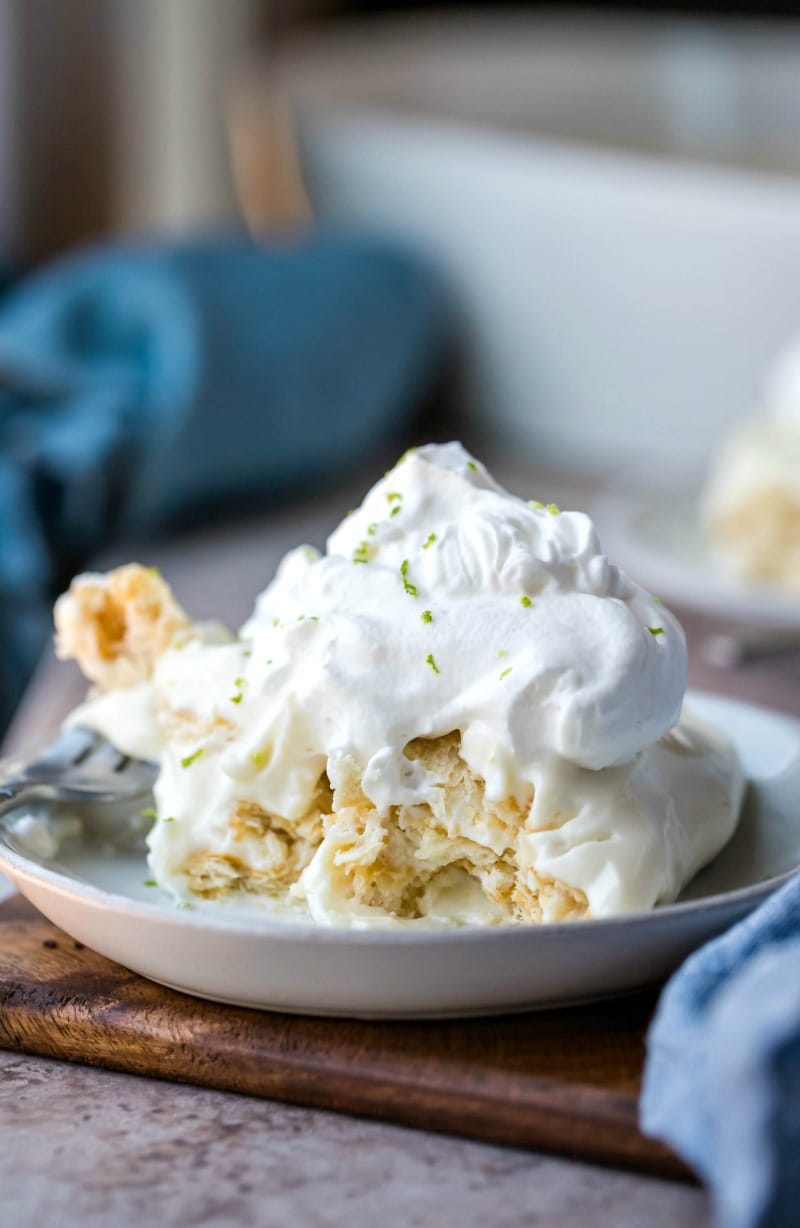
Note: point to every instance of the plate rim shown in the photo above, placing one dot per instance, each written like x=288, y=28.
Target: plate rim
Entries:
x=15, y=864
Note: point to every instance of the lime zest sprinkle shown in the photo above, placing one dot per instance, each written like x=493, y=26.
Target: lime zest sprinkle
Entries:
x=526, y=601
x=408, y=452
x=301, y=618
x=657, y=601
x=471, y=465
x=393, y=496
x=195, y=755
x=506, y=672
x=148, y=813
x=654, y=631
x=536, y=503
x=237, y=699
x=276, y=622
x=553, y=509
x=429, y=660
x=410, y=588
x=371, y=528
x=429, y=540
x=240, y=682
x=248, y=652
x=170, y=818
x=361, y=553
x=313, y=618
x=396, y=510
x=503, y=652
x=426, y=616
x=258, y=758
x=149, y=882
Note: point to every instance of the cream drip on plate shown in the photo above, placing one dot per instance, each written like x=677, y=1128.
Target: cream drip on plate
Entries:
x=443, y=605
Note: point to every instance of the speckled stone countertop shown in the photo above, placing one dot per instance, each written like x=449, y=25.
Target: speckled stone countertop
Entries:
x=84, y=1148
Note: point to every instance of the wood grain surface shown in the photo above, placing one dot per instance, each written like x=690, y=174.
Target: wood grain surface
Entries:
x=562, y=1081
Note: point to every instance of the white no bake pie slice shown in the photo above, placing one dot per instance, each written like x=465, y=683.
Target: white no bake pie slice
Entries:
x=461, y=712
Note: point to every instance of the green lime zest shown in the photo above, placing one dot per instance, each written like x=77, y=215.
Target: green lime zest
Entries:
x=426, y=616
x=429, y=540
x=149, y=882
x=410, y=588
x=525, y=601
x=655, y=631
x=149, y=813
x=471, y=465
x=258, y=758
x=506, y=672
x=429, y=660
x=553, y=509
x=536, y=504
x=195, y=755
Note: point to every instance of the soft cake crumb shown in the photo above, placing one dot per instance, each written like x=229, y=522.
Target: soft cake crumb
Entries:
x=117, y=625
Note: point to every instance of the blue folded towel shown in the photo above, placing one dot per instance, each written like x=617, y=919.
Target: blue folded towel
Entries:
x=140, y=382
x=722, y=1079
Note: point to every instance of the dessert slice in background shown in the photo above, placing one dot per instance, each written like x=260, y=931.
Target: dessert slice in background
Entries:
x=751, y=504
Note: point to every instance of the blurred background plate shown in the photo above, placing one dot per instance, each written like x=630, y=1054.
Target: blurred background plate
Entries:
x=658, y=539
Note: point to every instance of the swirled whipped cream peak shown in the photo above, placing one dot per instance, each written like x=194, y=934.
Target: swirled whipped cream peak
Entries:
x=461, y=711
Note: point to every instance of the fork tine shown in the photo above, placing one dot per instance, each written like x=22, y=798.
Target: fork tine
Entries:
x=69, y=749
x=104, y=757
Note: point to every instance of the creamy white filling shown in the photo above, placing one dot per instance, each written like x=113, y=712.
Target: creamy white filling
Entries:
x=444, y=603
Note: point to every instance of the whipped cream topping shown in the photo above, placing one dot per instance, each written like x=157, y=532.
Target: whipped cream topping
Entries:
x=443, y=603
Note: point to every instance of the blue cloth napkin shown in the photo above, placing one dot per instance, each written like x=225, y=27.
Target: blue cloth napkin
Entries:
x=141, y=382
x=722, y=1079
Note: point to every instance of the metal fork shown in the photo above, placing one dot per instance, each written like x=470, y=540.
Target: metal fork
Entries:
x=79, y=766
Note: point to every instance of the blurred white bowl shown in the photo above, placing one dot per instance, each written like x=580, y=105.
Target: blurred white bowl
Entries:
x=615, y=205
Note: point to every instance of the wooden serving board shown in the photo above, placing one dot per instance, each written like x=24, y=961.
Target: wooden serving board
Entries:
x=563, y=1081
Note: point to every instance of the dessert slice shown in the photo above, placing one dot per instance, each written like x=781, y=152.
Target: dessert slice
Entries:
x=751, y=504
x=460, y=713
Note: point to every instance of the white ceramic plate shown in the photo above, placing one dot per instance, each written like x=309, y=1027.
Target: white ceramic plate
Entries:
x=214, y=952
x=658, y=539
